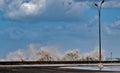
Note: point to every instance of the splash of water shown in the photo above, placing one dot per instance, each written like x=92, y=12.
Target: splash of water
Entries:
x=73, y=55
x=43, y=54
x=16, y=56
x=51, y=54
x=93, y=55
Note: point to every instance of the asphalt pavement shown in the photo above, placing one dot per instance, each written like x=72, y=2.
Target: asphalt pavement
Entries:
x=49, y=69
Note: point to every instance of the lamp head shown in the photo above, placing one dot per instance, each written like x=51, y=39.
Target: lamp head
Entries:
x=96, y=4
x=102, y=1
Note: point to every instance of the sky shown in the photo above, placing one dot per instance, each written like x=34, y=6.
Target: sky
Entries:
x=64, y=24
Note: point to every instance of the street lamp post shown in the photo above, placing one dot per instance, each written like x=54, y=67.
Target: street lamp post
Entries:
x=99, y=14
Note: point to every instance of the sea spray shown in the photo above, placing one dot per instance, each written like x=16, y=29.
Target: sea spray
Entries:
x=2, y=60
x=46, y=55
x=93, y=55
x=52, y=54
x=43, y=54
x=31, y=53
x=73, y=55
x=16, y=56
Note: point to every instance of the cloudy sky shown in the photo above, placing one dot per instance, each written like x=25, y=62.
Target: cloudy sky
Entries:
x=64, y=24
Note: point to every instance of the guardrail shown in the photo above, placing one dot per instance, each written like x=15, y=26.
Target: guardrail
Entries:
x=53, y=62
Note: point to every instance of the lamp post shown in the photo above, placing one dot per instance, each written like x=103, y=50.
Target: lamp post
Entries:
x=99, y=14
x=100, y=65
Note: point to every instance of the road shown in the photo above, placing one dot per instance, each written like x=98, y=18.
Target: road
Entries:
x=46, y=69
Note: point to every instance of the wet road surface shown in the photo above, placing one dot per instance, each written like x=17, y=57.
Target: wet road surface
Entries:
x=45, y=69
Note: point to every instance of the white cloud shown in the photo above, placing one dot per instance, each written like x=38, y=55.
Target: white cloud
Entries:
x=24, y=9
x=1, y=4
x=28, y=8
x=115, y=25
x=112, y=4
x=50, y=10
x=108, y=30
x=93, y=21
x=113, y=28
x=44, y=10
x=33, y=7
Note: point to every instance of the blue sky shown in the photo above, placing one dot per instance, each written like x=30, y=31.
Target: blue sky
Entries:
x=65, y=24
